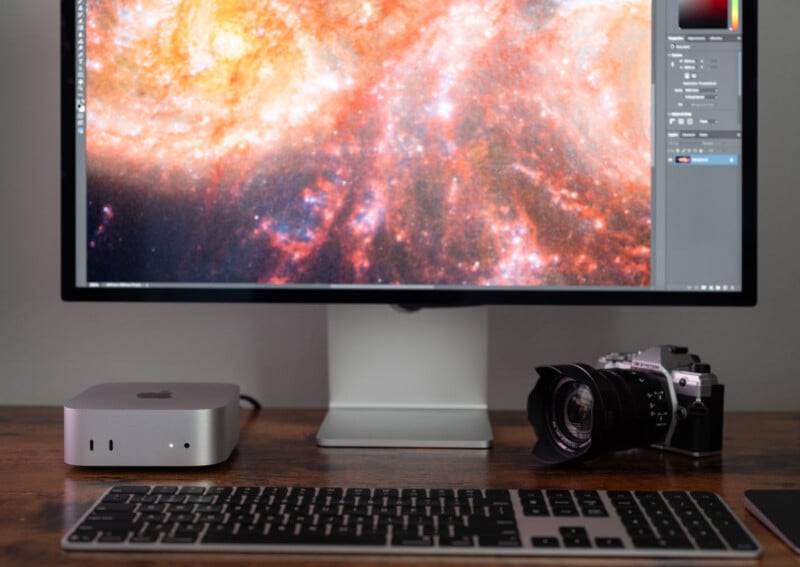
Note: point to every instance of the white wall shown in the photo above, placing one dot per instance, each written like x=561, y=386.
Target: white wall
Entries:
x=50, y=350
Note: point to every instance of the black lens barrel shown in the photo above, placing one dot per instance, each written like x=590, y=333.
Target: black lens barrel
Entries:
x=631, y=408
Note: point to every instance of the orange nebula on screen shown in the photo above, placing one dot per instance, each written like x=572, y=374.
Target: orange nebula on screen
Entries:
x=461, y=142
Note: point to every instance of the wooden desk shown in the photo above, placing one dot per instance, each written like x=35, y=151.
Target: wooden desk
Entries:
x=40, y=496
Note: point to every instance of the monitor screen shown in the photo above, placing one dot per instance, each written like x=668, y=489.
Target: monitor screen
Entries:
x=414, y=152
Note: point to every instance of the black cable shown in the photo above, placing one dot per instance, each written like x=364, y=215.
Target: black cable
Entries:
x=254, y=402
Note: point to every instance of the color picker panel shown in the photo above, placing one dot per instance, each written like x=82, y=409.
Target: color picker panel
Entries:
x=704, y=14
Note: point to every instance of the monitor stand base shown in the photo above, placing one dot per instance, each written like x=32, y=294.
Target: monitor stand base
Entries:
x=391, y=427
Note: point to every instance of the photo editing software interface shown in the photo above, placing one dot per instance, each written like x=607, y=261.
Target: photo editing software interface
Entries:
x=458, y=144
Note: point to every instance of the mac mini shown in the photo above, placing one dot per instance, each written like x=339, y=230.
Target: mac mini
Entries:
x=152, y=424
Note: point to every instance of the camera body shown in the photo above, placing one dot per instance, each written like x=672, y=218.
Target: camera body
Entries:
x=663, y=397
x=697, y=399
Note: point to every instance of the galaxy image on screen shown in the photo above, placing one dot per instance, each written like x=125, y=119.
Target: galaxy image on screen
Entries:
x=375, y=142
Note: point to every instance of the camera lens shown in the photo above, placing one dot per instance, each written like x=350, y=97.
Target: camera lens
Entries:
x=578, y=411
x=577, y=414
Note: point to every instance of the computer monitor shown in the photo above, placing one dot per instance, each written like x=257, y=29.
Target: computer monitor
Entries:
x=365, y=153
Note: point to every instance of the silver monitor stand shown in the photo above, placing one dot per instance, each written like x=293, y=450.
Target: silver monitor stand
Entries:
x=407, y=379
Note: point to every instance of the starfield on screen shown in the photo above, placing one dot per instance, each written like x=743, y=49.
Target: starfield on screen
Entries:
x=458, y=142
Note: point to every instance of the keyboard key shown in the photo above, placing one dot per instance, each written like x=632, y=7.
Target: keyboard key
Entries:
x=114, y=536
x=123, y=489
x=110, y=517
x=709, y=541
x=147, y=537
x=116, y=498
x=586, y=494
x=575, y=537
x=412, y=539
x=531, y=494
x=609, y=543
x=334, y=493
x=180, y=538
x=498, y=496
x=82, y=537
x=492, y=540
x=558, y=494
x=391, y=494
x=445, y=493
x=539, y=511
x=456, y=541
x=114, y=507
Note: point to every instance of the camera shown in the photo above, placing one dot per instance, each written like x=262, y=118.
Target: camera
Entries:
x=663, y=397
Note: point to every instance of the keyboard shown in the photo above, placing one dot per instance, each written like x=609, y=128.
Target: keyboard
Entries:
x=591, y=523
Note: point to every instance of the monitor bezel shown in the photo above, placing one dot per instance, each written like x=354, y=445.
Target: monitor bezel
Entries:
x=745, y=296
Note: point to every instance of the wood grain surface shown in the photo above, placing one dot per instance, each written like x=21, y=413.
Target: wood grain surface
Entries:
x=41, y=497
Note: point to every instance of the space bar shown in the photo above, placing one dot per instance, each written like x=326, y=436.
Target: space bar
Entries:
x=291, y=539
